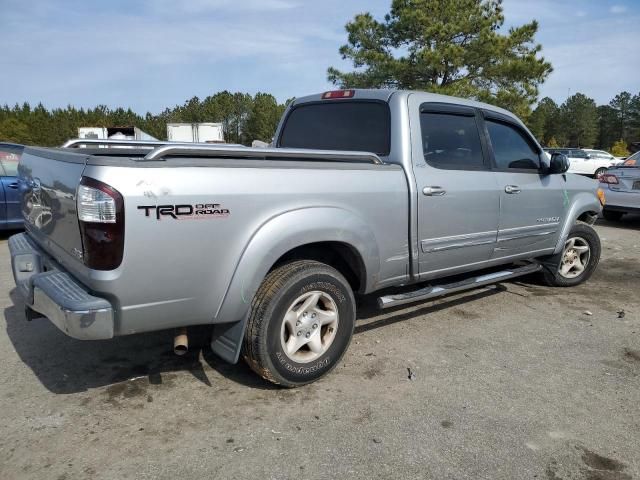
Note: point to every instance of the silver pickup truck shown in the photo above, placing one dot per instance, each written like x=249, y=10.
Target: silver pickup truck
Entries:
x=363, y=190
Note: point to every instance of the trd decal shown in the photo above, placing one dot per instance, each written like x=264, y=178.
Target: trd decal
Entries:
x=199, y=211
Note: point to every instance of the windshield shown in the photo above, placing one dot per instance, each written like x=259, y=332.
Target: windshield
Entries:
x=339, y=125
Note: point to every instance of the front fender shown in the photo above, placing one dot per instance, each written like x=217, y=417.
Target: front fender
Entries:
x=582, y=202
x=272, y=240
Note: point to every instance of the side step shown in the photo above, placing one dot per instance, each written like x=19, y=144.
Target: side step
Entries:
x=434, y=291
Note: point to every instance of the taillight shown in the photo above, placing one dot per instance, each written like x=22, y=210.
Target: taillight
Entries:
x=101, y=218
x=335, y=94
x=609, y=178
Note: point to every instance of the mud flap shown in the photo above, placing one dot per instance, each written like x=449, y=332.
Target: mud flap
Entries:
x=226, y=339
x=550, y=262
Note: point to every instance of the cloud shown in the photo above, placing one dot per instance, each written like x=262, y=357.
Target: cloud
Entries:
x=618, y=9
x=599, y=66
x=152, y=57
x=156, y=53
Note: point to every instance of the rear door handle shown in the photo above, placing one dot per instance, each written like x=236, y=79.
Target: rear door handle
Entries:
x=512, y=189
x=434, y=191
x=13, y=185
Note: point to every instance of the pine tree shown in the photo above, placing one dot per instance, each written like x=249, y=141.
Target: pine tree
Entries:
x=446, y=46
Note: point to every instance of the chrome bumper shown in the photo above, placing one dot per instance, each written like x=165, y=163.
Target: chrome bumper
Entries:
x=55, y=294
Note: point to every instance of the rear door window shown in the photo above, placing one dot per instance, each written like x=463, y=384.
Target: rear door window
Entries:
x=451, y=141
x=511, y=150
x=339, y=125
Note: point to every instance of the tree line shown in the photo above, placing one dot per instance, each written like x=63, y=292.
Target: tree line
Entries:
x=578, y=122
x=244, y=118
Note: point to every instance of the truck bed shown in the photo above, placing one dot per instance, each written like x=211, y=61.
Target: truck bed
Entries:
x=176, y=270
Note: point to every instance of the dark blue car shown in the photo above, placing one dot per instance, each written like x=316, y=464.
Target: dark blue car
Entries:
x=10, y=215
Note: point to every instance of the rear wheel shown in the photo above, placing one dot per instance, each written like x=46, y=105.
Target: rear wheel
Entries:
x=611, y=215
x=301, y=323
x=599, y=172
x=578, y=259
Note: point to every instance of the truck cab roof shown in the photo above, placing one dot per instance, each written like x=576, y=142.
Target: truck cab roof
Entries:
x=385, y=95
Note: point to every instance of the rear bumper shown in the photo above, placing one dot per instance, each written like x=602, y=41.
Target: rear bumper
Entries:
x=49, y=290
x=618, y=208
x=625, y=201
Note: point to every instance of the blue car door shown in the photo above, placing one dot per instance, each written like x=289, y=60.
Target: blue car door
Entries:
x=3, y=205
x=10, y=214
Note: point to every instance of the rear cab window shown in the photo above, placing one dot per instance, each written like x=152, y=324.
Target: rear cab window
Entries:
x=351, y=125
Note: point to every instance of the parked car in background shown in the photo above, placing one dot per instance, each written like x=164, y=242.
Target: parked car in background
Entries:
x=621, y=185
x=601, y=154
x=581, y=162
x=10, y=214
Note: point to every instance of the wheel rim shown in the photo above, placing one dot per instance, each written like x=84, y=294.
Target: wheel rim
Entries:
x=575, y=257
x=309, y=327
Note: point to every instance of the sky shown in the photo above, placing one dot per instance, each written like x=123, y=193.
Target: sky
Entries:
x=153, y=54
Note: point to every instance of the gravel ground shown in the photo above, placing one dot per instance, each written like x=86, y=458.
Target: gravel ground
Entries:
x=515, y=381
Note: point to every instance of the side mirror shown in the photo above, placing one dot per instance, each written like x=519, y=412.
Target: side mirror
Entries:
x=559, y=163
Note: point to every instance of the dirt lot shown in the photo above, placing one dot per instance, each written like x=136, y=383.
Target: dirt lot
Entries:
x=511, y=382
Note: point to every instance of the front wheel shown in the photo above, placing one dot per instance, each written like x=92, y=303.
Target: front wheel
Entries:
x=301, y=323
x=578, y=259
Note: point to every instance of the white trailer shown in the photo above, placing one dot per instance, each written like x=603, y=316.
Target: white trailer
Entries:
x=97, y=133
x=195, y=132
x=116, y=133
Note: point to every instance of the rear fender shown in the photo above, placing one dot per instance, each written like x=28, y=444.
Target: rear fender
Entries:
x=269, y=243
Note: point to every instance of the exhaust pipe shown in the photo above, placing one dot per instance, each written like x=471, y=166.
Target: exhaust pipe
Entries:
x=181, y=342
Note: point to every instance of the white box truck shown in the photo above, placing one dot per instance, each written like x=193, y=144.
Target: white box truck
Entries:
x=195, y=132
x=116, y=133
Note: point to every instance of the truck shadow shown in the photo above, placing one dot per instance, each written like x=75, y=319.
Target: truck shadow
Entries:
x=368, y=310
x=5, y=234
x=65, y=365
x=627, y=222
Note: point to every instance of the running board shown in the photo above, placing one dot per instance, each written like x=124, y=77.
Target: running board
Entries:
x=434, y=291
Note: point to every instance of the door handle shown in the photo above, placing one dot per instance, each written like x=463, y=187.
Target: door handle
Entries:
x=512, y=189
x=13, y=185
x=434, y=191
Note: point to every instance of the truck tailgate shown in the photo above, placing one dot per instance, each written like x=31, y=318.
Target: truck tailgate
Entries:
x=49, y=181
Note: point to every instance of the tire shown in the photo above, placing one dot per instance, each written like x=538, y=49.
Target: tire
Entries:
x=283, y=315
x=563, y=270
x=612, y=215
x=599, y=172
